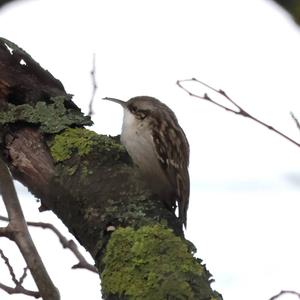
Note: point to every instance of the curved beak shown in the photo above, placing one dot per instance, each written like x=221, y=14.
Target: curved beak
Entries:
x=122, y=103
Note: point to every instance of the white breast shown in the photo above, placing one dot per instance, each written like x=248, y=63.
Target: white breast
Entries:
x=136, y=136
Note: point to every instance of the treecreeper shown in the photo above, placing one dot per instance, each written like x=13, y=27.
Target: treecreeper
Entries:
x=157, y=144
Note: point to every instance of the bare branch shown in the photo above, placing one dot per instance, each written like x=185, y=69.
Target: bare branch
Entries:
x=6, y=232
x=239, y=110
x=10, y=268
x=23, y=276
x=22, y=237
x=296, y=120
x=19, y=290
x=95, y=86
x=285, y=293
x=205, y=96
x=69, y=244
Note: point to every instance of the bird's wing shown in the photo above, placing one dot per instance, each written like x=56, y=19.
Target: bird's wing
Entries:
x=172, y=150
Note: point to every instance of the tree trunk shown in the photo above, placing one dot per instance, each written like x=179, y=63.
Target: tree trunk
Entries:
x=90, y=183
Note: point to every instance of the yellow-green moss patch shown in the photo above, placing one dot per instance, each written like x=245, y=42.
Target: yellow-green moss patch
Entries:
x=152, y=263
x=81, y=141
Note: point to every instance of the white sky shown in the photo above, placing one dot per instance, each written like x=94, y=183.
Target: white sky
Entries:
x=244, y=204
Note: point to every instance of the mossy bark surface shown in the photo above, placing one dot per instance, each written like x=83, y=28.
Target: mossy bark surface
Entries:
x=88, y=180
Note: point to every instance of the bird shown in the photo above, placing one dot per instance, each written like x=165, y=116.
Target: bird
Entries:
x=158, y=146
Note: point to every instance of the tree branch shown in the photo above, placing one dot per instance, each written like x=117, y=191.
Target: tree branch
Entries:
x=6, y=232
x=22, y=237
x=238, y=111
x=295, y=120
x=285, y=293
x=94, y=84
x=23, y=276
x=19, y=290
x=10, y=268
x=67, y=244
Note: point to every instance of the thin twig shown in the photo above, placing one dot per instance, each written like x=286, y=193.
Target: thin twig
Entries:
x=94, y=85
x=285, y=293
x=11, y=270
x=23, y=276
x=18, y=289
x=239, y=110
x=296, y=120
x=67, y=244
x=9, y=267
x=22, y=237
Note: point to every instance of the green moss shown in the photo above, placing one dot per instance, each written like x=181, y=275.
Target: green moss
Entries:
x=152, y=263
x=81, y=141
x=51, y=118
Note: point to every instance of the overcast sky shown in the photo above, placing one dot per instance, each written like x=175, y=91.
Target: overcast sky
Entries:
x=245, y=180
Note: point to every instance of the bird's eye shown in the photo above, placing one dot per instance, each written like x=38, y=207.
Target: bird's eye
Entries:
x=142, y=115
x=133, y=108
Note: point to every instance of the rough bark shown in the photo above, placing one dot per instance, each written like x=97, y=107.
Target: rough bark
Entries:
x=89, y=182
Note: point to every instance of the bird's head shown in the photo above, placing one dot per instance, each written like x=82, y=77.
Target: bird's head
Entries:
x=141, y=107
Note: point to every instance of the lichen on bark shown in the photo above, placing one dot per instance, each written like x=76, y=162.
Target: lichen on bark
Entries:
x=51, y=117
